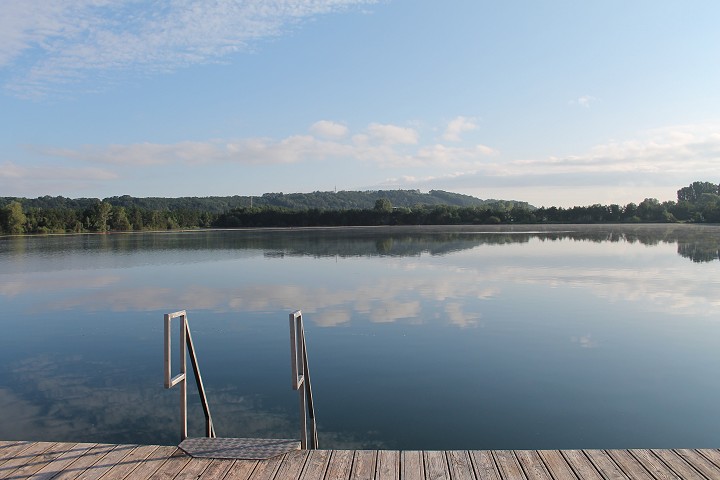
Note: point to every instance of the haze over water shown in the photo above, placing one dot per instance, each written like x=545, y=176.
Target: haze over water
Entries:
x=432, y=338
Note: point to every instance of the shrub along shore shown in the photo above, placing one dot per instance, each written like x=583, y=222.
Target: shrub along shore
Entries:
x=697, y=203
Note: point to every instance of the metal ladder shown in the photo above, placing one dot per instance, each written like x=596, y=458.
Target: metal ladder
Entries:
x=300, y=377
x=186, y=343
x=301, y=381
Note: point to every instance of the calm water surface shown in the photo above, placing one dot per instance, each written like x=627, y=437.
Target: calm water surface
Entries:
x=432, y=338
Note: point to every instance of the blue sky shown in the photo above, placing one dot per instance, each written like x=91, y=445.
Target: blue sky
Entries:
x=552, y=102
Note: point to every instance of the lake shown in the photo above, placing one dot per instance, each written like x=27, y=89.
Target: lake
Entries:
x=418, y=338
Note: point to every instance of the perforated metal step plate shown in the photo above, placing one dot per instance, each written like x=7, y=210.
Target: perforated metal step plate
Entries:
x=238, y=448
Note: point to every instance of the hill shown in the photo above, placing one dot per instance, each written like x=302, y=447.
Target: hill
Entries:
x=343, y=200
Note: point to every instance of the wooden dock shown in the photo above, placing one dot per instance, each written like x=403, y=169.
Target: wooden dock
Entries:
x=87, y=461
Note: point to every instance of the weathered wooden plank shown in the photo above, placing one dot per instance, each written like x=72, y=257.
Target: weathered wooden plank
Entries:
x=557, y=465
x=39, y=462
x=711, y=454
x=62, y=462
x=677, y=464
x=217, y=469
x=23, y=457
x=484, y=464
x=266, y=469
x=339, y=465
x=85, y=461
x=10, y=443
x=581, y=464
x=629, y=465
x=508, y=465
x=412, y=466
x=130, y=462
x=193, y=469
x=363, y=467
x=605, y=465
x=9, y=450
x=172, y=466
x=460, y=465
x=316, y=465
x=388, y=465
x=653, y=464
x=532, y=465
x=701, y=464
x=150, y=464
x=436, y=466
x=292, y=465
x=102, y=466
x=241, y=469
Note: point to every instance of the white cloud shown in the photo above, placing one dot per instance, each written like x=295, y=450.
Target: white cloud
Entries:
x=292, y=149
x=585, y=101
x=442, y=155
x=20, y=180
x=381, y=144
x=671, y=149
x=392, y=134
x=657, y=161
x=327, y=128
x=674, y=153
x=11, y=171
x=457, y=127
x=47, y=43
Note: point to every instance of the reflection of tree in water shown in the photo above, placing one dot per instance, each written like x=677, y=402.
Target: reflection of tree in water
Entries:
x=700, y=252
x=384, y=246
x=696, y=242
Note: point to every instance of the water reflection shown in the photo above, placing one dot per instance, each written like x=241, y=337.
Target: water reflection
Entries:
x=529, y=326
x=700, y=243
x=404, y=284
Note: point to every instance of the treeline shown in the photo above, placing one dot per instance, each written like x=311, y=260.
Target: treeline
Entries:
x=100, y=217
x=342, y=200
x=698, y=203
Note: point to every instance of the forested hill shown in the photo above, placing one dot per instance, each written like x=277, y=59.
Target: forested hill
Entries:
x=697, y=203
x=297, y=201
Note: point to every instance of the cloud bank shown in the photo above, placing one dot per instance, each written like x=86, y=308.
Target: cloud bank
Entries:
x=674, y=153
x=48, y=43
x=656, y=161
x=382, y=145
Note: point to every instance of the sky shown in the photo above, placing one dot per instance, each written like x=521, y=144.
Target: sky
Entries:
x=553, y=102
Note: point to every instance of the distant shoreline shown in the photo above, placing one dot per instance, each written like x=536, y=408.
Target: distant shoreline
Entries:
x=439, y=228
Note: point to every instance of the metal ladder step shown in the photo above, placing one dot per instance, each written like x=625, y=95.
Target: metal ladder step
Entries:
x=238, y=448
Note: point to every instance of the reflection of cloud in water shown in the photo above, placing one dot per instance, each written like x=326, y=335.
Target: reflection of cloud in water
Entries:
x=53, y=404
x=456, y=316
x=657, y=289
x=378, y=300
x=332, y=318
x=402, y=295
x=18, y=285
x=585, y=341
x=49, y=402
x=396, y=288
x=393, y=311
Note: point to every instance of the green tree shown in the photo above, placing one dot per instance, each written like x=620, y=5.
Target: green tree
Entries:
x=119, y=220
x=101, y=216
x=13, y=218
x=383, y=205
x=693, y=192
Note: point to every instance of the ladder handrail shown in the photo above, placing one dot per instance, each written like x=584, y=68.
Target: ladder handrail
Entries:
x=186, y=343
x=300, y=379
